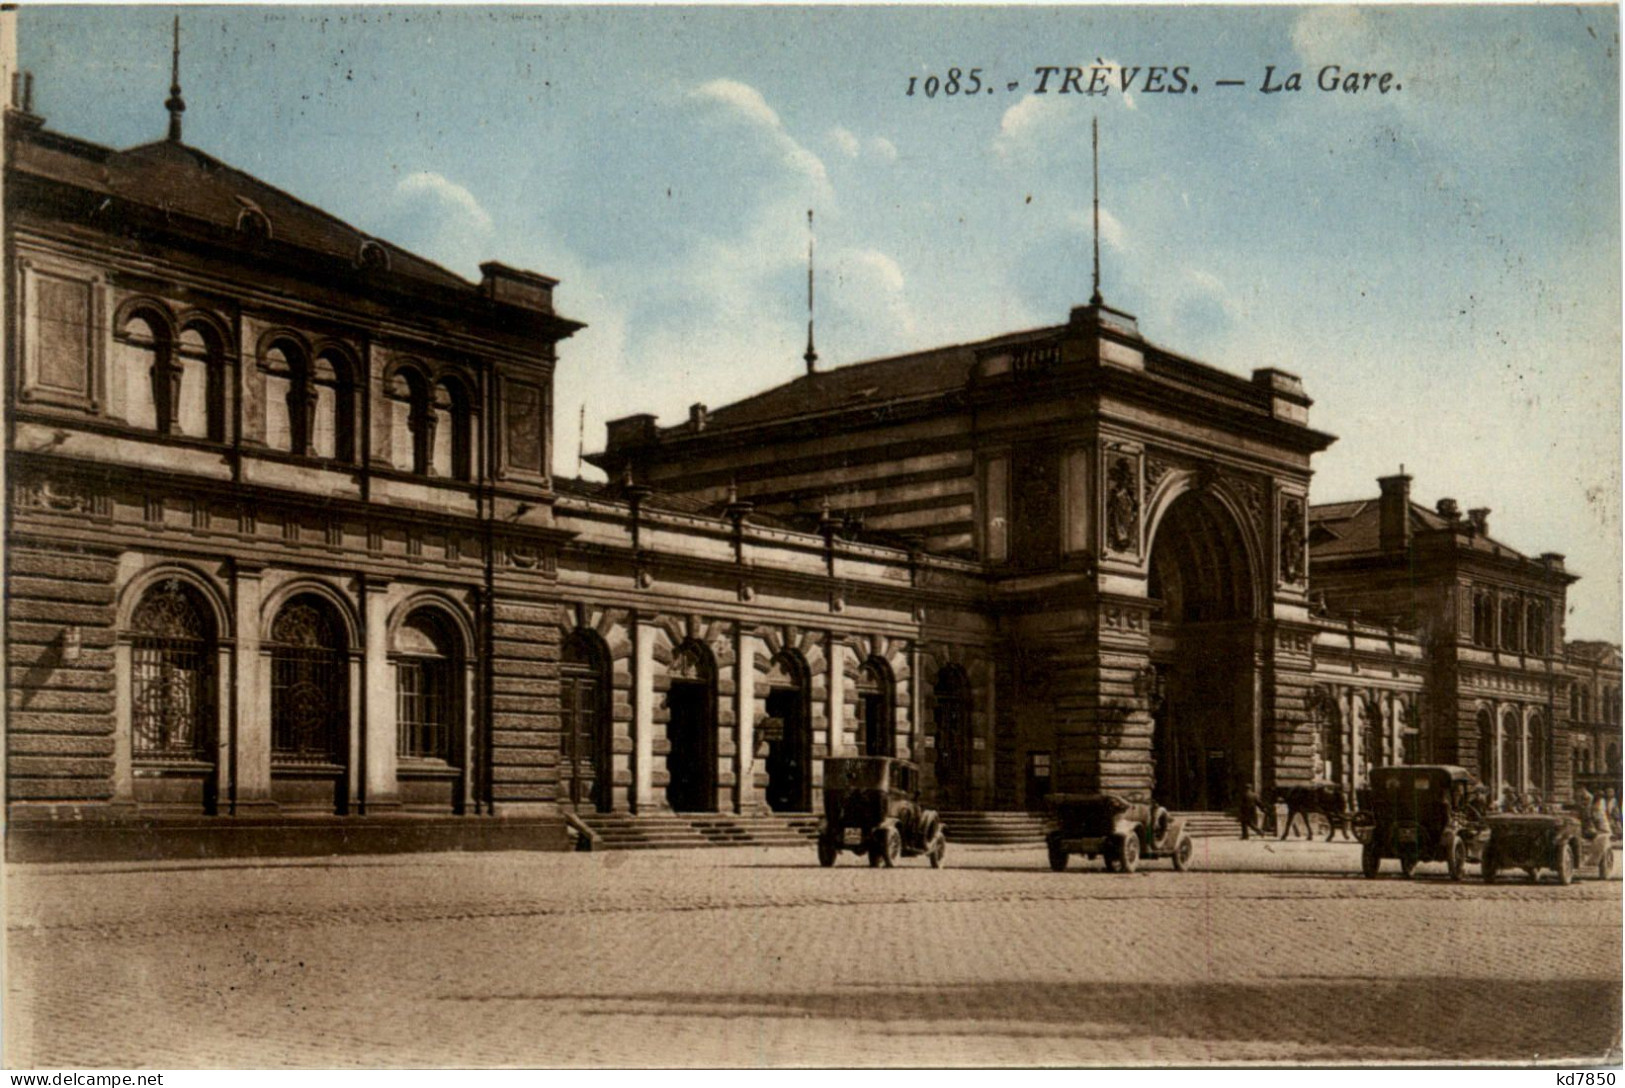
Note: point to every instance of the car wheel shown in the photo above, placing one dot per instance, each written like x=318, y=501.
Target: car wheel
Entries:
x=1458, y=860
x=1129, y=854
x=1057, y=857
x=1370, y=861
x=939, y=851
x=1488, y=867
x=1407, y=863
x=893, y=847
x=1183, y=853
x=1565, y=865
x=826, y=853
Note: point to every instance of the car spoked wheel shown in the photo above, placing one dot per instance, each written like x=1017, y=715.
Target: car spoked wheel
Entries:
x=1129, y=854
x=1565, y=865
x=891, y=847
x=939, y=851
x=1183, y=853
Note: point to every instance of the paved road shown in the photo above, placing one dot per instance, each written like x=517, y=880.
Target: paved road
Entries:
x=757, y=957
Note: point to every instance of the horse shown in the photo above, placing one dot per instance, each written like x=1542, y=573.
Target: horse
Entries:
x=1323, y=799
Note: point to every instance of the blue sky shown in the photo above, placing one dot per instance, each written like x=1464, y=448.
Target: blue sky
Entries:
x=1441, y=264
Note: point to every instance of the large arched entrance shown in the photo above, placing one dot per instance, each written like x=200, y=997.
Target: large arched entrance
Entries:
x=1203, y=635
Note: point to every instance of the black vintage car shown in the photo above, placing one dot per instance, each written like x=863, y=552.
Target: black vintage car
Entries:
x=1536, y=841
x=872, y=807
x=1420, y=813
x=1120, y=831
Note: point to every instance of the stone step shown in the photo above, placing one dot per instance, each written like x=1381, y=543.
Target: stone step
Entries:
x=626, y=831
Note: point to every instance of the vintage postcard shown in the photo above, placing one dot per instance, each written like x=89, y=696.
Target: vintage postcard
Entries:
x=768, y=536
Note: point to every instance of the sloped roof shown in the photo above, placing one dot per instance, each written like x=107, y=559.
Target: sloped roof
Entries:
x=176, y=179
x=1340, y=529
x=898, y=377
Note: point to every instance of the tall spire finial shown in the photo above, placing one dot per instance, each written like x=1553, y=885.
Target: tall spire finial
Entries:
x=1095, y=299
x=812, y=353
x=176, y=104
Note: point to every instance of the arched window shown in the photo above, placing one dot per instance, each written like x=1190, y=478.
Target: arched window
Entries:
x=289, y=408
x=1511, y=624
x=1535, y=624
x=310, y=701
x=1585, y=703
x=143, y=354
x=428, y=702
x=172, y=677
x=332, y=395
x=1511, y=752
x=585, y=771
x=1483, y=618
x=1328, y=720
x=875, y=705
x=1486, y=749
x=453, y=409
x=413, y=423
x=201, y=399
x=1537, y=753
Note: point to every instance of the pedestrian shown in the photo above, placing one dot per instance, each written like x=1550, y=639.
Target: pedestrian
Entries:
x=1249, y=811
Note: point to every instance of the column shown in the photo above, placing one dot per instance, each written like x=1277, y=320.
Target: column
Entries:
x=836, y=685
x=249, y=725
x=643, y=704
x=379, y=787
x=123, y=775
x=745, y=800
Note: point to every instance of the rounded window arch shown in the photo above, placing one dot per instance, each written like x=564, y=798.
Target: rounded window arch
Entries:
x=413, y=423
x=453, y=409
x=876, y=709
x=1537, y=753
x=1511, y=752
x=787, y=731
x=428, y=657
x=144, y=353
x=201, y=402
x=333, y=397
x=289, y=398
x=173, y=697
x=587, y=743
x=1486, y=748
x=310, y=702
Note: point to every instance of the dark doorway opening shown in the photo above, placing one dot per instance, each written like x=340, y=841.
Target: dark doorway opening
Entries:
x=951, y=712
x=691, y=763
x=789, y=753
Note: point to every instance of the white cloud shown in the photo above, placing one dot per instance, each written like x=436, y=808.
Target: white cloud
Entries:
x=746, y=103
x=1112, y=231
x=848, y=144
x=1023, y=117
x=448, y=193
x=883, y=148
x=742, y=99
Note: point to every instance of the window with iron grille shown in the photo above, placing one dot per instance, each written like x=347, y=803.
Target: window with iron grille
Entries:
x=426, y=692
x=310, y=697
x=171, y=677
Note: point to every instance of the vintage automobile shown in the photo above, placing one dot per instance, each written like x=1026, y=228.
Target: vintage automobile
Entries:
x=1122, y=832
x=1536, y=841
x=1420, y=813
x=872, y=807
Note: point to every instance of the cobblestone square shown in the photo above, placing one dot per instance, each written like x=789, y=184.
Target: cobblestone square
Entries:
x=1266, y=953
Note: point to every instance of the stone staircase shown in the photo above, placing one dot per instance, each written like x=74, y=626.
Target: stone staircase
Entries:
x=969, y=828
x=1210, y=825
x=672, y=831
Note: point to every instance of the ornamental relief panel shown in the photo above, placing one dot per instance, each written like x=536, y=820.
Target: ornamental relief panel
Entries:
x=1122, y=499
x=1293, y=541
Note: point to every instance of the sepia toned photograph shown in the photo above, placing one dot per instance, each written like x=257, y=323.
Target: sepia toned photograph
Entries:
x=811, y=537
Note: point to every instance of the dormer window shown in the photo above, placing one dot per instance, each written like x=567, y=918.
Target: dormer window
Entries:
x=254, y=227
x=372, y=257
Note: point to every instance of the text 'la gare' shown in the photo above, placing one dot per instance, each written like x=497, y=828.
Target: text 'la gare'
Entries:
x=1332, y=77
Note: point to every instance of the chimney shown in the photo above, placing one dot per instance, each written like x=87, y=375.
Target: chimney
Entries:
x=1394, y=513
x=696, y=417
x=1480, y=517
x=1447, y=509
